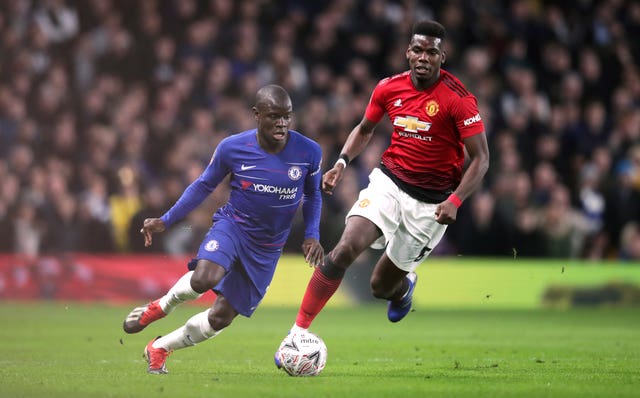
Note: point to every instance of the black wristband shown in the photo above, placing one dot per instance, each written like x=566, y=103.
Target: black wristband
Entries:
x=344, y=157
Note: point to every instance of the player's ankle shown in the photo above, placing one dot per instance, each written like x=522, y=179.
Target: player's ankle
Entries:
x=297, y=329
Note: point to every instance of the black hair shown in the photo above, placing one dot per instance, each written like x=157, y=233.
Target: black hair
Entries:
x=429, y=28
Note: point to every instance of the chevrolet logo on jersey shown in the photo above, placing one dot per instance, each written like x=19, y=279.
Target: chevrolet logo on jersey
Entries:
x=411, y=124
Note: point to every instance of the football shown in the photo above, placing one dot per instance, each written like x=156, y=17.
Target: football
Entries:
x=302, y=354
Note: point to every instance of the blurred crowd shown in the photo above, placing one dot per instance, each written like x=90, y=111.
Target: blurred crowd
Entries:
x=110, y=108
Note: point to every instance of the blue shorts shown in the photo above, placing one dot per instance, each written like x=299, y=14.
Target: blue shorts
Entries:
x=249, y=267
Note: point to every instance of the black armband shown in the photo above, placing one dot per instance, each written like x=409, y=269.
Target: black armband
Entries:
x=344, y=157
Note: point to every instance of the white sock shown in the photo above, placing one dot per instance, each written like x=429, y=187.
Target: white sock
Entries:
x=178, y=294
x=297, y=329
x=196, y=330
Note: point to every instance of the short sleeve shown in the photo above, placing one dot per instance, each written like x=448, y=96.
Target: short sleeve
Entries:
x=375, y=108
x=467, y=116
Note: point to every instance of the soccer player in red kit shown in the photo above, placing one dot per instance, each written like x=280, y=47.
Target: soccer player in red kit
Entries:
x=420, y=184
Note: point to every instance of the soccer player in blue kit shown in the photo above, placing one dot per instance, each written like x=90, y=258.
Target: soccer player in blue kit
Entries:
x=273, y=171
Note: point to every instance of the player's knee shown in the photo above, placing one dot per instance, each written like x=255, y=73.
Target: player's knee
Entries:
x=202, y=283
x=220, y=320
x=206, y=276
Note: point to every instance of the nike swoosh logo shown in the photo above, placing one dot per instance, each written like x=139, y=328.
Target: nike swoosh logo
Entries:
x=243, y=167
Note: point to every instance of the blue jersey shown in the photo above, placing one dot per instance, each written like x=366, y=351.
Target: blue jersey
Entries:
x=266, y=188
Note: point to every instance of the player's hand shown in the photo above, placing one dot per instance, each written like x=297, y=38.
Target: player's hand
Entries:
x=150, y=226
x=313, y=252
x=331, y=178
x=446, y=213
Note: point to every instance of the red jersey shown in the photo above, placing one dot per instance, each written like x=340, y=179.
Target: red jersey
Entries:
x=426, y=148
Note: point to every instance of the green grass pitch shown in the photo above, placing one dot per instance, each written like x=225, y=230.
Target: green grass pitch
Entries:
x=75, y=350
x=478, y=330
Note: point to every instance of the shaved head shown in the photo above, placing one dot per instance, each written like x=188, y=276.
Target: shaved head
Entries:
x=273, y=111
x=273, y=95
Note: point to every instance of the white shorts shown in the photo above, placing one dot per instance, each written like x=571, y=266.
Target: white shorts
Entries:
x=409, y=229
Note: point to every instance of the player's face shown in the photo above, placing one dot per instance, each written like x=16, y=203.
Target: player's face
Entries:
x=273, y=122
x=425, y=55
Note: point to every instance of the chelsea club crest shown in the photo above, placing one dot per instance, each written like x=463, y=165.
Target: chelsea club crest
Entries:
x=212, y=246
x=294, y=173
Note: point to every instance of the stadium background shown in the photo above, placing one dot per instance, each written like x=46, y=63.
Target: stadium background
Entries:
x=109, y=109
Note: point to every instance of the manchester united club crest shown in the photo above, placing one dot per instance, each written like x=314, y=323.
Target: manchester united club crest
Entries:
x=432, y=108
